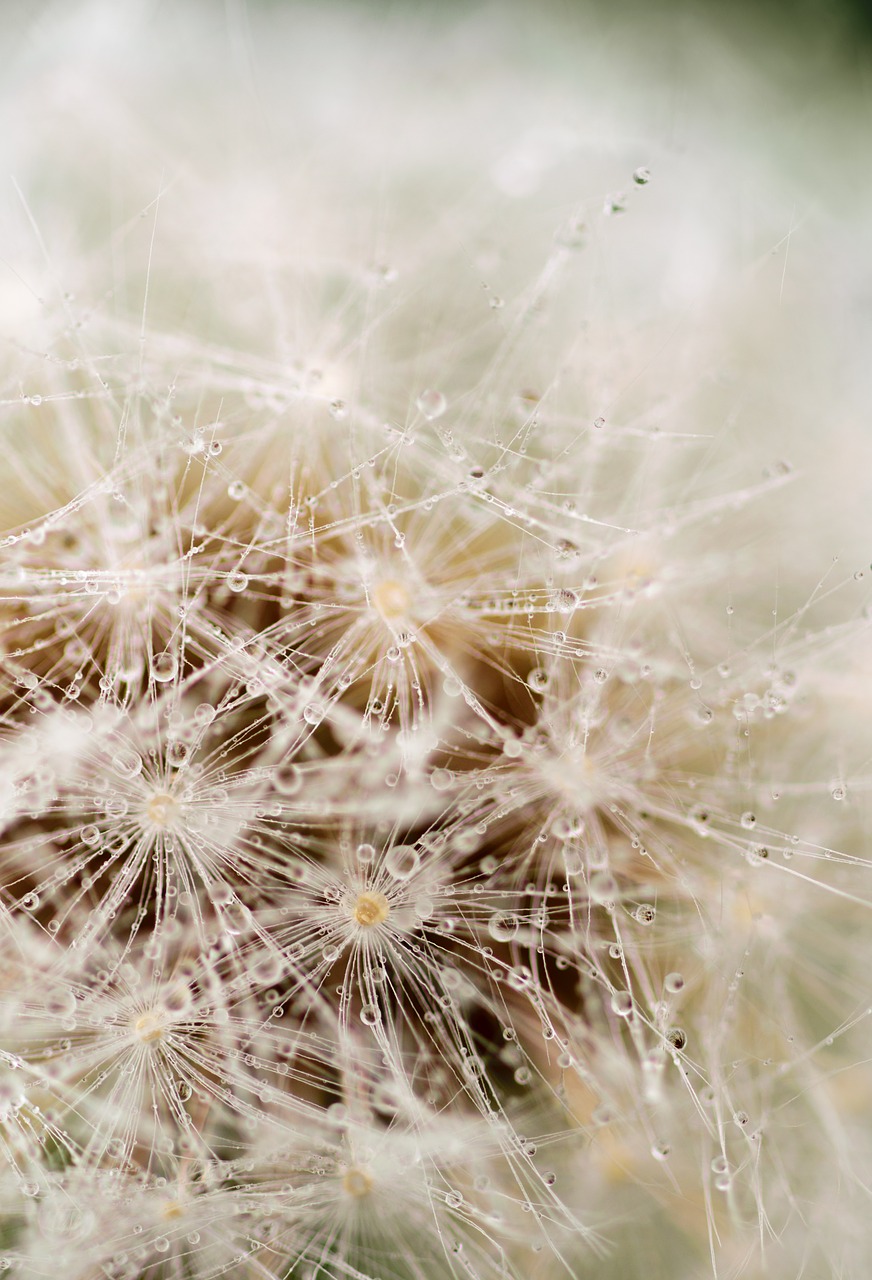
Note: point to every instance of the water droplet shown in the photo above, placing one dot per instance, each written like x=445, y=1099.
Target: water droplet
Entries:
x=567, y=827
x=673, y=983
x=288, y=779
x=642, y=175
x=127, y=763
x=401, y=861
x=163, y=667
x=503, y=927
x=432, y=404
x=603, y=887
x=237, y=582
x=622, y=1003
x=178, y=754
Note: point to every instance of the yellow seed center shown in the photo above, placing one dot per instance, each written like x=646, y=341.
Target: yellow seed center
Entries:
x=173, y=1209
x=149, y=1027
x=357, y=1183
x=162, y=809
x=371, y=909
x=391, y=599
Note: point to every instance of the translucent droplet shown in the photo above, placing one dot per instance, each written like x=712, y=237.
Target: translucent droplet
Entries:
x=370, y=1014
x=127, y=763
x=313, y=713
x=503, y=927
x=642, y=175
x=622, y=1003
x=402, y=861
x=573, y=862
x=564, y=601
x=676, y=1037
x=673, y=983
x=163, y=667
x=237, y=582
x=749, y=821
x=432, y=404
x=236, y=490
x=603, y=887
x=288, y=779
x=178, y=754
x=567, y=827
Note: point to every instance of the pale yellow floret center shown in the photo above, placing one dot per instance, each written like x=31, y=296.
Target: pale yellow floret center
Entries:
x=391, y=599
x=149, y=1026
x=173, y=1209
x=371, y=909
x=357, y=1183
x=162, y=809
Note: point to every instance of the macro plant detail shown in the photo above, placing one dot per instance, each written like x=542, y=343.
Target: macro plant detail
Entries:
x=433, y=749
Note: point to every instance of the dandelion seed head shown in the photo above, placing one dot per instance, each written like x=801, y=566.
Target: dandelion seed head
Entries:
x=151, y=1026
x=162, y=810
x=371, y=909
x=357, y=1183
x=391, y=600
